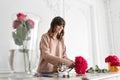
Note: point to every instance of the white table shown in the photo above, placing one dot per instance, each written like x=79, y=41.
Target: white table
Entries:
x=90, y=76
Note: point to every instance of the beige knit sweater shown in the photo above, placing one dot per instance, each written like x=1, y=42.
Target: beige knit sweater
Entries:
x=52, y=54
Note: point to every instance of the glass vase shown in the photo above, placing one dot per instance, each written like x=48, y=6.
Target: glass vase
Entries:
x=24, y=56
x=20, y=61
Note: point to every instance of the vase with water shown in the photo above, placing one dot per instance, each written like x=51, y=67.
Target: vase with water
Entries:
x=24, y=55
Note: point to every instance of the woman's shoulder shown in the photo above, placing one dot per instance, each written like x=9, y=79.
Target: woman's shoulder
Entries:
x=45, y=36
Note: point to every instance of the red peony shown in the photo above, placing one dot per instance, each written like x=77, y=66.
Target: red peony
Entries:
x=80, y=65
x=21, y=16
x=111, y=58
x=115, y=63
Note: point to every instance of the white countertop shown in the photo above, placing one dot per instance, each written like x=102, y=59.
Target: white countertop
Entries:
x=90, y=76
x=98, y=76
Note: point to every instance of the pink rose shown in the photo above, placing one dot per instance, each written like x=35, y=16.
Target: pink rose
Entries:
x=31, y=22
x=16, y=23
x=21, y=16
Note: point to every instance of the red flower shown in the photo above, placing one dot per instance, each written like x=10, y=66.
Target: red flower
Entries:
x=31, y=22
x=22, y=26
x=115, y=63
x=23, y=21
x=21, y=16
x=111, y=58
x=16, y=23
x=80, y=65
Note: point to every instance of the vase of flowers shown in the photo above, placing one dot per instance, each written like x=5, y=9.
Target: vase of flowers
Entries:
x=23, y=35
x=113, y=63
x=115, y=66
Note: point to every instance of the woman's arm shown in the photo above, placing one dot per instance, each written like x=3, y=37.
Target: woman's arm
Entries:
x=66, y=57
x=45, y=53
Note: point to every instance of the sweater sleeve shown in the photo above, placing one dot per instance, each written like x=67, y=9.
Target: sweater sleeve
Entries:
x=65, y=54
x=45, y=53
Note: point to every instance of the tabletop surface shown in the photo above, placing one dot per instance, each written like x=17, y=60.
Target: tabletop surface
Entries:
x=73, y=76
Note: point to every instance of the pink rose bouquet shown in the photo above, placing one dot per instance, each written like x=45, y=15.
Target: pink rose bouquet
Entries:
x=22, y=27
x=22, y=34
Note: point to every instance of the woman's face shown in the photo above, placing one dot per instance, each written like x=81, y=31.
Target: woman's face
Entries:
x=59, y=28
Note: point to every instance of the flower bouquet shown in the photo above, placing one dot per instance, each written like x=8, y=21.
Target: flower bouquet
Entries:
x=81, y=65
x=22, y=28
x=113, y=63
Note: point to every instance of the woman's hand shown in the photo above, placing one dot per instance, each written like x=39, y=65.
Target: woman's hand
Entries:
x=72, y=65
x=37, y=74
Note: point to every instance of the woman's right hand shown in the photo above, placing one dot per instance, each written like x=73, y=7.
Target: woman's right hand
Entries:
x=37, y=74
x=72, y=65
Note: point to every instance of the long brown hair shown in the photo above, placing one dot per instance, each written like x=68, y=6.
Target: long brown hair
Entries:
x=56, y=21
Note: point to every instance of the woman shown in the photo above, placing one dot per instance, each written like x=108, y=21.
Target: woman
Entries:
x=52, y=48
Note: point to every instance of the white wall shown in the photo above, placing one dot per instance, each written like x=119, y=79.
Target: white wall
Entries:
x=85, y=21
x=114, y=20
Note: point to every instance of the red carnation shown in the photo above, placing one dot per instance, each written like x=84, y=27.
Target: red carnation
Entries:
x=80, y=65
x=115, y=63
x=111, y=58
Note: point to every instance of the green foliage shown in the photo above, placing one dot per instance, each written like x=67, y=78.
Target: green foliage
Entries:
x=90, y=70
x=96, y=69
x=20, y=35
x=27, y=25
x=24, y=50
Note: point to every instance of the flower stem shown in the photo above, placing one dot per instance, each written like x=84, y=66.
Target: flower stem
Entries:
x=24, y=52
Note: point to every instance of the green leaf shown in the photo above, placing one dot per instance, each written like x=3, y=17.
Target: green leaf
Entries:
x=90, y=70
x=21, y=33
x=16, y=39
x=105, y=70
x=27, y=25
